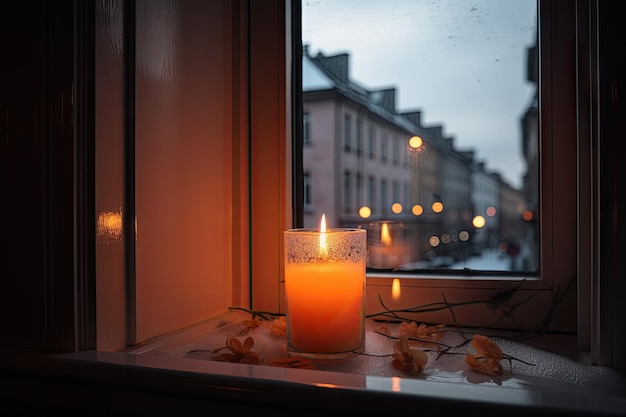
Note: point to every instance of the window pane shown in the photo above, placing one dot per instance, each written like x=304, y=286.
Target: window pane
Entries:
x=447, y=95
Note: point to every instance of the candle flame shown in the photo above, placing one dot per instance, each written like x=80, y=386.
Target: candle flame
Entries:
x=385, y=237
x=395, y=289
x=323, y=243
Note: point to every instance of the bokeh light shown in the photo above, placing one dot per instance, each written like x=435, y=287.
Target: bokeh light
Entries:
x=478, y=222
x=417, y=210
x=434, y=241
x=415, y=142
x=365, y=212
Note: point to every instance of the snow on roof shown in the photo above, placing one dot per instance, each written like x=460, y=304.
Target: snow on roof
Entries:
x=313, y=78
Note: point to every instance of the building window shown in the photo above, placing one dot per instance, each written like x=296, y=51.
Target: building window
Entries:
x=359, y=190
x=406, y=194
x=306, y=129
x=383, y=147
x=359, y=136
x=384, y=202
x=371, y=192
x=307, y=193
x=371, y=142
x=395, y=146
x=347, y=192
x=347, y=133
x=395, y=186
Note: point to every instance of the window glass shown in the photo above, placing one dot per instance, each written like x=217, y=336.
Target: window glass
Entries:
x=447, y=93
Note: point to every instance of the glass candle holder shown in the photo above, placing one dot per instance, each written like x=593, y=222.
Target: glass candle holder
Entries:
x=386, y=245
x=325, y=292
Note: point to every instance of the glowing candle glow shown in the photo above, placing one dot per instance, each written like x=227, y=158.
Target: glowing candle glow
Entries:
x=323, y=244
x=325, y=291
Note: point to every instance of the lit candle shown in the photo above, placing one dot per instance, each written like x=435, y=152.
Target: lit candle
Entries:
x=325, y=291
x=386, y=252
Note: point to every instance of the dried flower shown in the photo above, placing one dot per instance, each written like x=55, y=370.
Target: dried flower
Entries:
x=487, y=357
x=291, y=363
x=423, y=331
x=407, y=359
x=279, y=326
x=238, y=352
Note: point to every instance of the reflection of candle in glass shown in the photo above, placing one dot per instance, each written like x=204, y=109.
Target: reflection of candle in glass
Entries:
x=325, y=291
x=395, y=289
x=385, y=237
x=385, y=250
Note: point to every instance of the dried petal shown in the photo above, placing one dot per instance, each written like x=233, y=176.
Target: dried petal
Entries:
x=486, y=347
x=247, y=345
x=488, y=366
x=241, y=353
x=406, y=359
x=233, y=344
x=423, y=331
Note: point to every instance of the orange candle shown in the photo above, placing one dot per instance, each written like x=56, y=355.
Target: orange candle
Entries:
x=325, y=291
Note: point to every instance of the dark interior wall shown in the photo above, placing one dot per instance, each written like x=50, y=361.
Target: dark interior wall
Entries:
x=37, y=181
x=23, y=127
x=612, y=187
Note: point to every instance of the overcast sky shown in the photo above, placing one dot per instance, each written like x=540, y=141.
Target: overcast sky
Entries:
x=461, y=62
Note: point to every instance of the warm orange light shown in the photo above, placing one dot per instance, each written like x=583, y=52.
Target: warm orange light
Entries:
x=395, y=384
x=478, y=222
x=396, y=208
x=385, y=236
x=395, y=289
x=365, y=212
x=415, y=142
x=323, y=243
x=109, y=227
x=437, y=206
x=527, y=215
x=417, y=210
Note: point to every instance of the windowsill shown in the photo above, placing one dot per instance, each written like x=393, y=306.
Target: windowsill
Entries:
x=165, y=375
x=526, y=382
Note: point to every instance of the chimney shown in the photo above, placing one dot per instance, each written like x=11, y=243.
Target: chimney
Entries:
x=414, y=117
x=384, y=98
x=336, y=65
